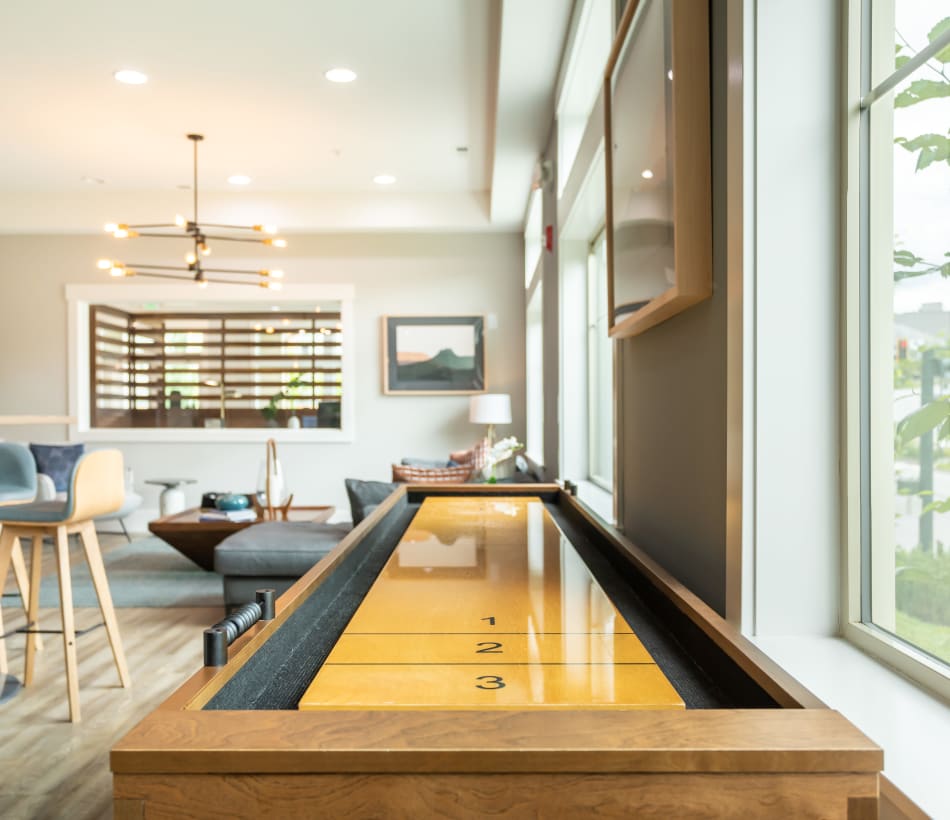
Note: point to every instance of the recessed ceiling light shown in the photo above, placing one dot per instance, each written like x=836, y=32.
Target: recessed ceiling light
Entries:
x=340, y=75
x=239, y=179
x=130, y=76
x=384, y=179
x=646, y=173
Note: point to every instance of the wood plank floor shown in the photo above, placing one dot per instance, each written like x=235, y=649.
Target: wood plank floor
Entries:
x=52, y=768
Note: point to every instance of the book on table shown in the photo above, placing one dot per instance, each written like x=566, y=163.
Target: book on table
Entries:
x=235, y=516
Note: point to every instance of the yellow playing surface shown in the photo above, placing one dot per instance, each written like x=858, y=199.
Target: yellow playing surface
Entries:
x=485, y=604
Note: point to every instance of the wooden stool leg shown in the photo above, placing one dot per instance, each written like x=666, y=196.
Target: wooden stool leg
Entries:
x=19, y=572
x=69, y=626
x=6, y=550
x=33, y=611
x=3, y=648
x=98, y=571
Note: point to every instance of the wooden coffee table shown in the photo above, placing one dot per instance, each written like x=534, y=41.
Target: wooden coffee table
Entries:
x=196, y=539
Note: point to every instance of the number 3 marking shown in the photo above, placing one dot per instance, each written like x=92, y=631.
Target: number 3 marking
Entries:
x=491, y=682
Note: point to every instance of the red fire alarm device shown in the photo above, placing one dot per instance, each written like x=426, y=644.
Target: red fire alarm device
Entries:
x=549, y=237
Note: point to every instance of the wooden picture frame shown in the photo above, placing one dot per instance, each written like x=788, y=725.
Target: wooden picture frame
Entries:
x=659, y=208
x=433, y=355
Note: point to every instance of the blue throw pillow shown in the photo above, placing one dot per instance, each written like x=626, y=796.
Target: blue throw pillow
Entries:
x=57, y=461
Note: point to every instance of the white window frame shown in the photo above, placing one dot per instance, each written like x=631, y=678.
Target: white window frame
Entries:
x=606, y=483
x=80, y=297
x=858, y=430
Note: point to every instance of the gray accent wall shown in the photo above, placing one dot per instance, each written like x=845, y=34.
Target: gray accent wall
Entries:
x=672, y=384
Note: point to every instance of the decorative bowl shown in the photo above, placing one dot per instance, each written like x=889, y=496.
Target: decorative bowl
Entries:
x=231, y=501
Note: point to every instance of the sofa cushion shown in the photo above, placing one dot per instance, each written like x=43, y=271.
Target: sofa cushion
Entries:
x=366, y=496
x=57, y=461
x=278, y=548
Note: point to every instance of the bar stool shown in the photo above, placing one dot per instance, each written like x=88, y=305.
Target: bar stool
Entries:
x=17, y=485
x=96, y=489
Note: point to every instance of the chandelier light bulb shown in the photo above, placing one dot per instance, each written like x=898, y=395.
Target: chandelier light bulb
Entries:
x=180, y=221
x=270, y=229
x=258, y=327
x=104, y=264
x=340, y=75
x=190, y=258
x=276, y=243
x=268, y=329
x=276, y=274
x=202, y=283
x=118, y=270
x=205, y=249
x=130, y=76
x=111, y=227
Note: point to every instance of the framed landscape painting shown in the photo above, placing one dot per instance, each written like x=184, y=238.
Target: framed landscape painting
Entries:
x=433, y=355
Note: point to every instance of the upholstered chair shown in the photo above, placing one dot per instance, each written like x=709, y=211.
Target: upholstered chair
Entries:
x=17, y=485
x=95, y=489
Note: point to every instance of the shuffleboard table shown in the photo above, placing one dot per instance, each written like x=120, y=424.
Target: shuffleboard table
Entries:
x=490, y=650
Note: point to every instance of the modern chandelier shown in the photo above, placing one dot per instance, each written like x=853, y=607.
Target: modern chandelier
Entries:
x=193, y=270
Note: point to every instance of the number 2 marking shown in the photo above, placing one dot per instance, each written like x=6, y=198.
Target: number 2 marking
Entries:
x=490, y=619
x=490, y=647
x=491, y=682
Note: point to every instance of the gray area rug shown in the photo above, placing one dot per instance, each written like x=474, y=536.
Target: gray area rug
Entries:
x=145, y=573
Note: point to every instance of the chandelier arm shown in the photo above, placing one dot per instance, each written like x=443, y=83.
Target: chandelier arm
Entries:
x=231, y=227
x=235, y=239
x=160, y=235
x=234, y=270
x=161, y=225
x=195, y=178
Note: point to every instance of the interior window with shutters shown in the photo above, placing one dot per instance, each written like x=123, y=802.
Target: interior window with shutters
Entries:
x=216, y=369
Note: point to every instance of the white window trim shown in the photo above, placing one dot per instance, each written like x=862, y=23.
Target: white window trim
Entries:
x=80, y=297
x=902, y=656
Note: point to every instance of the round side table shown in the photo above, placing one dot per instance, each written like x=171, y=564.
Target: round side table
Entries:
x=172, y=499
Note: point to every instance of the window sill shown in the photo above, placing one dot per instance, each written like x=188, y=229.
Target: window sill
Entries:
x=211, y=435
x=911, y=726
x=598, y=499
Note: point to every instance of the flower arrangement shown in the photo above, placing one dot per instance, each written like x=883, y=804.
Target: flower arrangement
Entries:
x=499, y=452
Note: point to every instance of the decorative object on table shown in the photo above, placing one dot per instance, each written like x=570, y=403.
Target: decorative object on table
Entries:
x=431, y=475
x=433, y=355
x=659, y=205
x=500, y=462
x=172, y=499
x=230, y=502
x=293, y=423
x=193, y=270
x=243, y=516
x=271, y=490
x=490, y=409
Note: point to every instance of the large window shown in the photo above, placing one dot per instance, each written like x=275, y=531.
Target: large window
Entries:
x=600, y=363
x=904, y=297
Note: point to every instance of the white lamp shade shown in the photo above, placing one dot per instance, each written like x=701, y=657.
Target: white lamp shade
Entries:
x=490, y=408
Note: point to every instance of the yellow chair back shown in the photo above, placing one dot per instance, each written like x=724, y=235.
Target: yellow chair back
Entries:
x=98, y=485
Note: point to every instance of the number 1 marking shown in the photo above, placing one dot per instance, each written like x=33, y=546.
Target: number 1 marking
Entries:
x=490, y=619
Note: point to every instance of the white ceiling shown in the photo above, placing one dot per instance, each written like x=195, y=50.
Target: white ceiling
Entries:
x=249, y=76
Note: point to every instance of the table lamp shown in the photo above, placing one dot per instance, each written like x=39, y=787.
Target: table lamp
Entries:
x=490, y=409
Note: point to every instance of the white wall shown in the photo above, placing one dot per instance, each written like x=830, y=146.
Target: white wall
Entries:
x=797, y=551
x=392, y=274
